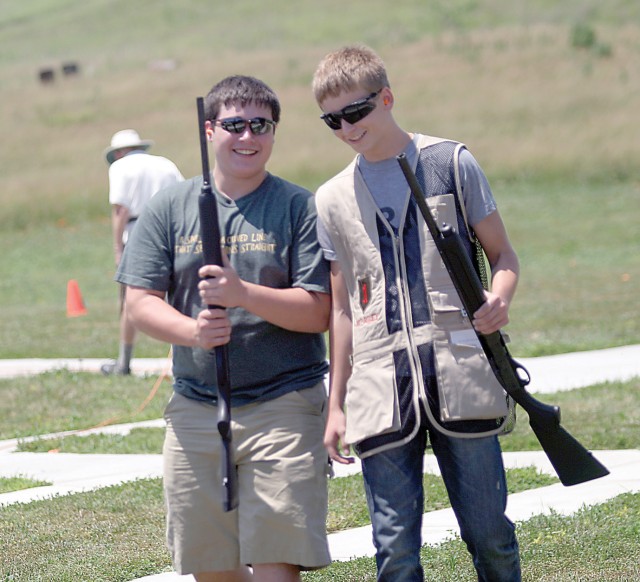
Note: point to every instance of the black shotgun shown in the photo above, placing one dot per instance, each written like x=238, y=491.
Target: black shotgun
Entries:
x=212, y=255
x=573, y=463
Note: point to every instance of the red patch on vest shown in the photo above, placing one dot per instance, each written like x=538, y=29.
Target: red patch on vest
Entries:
x=364, y=286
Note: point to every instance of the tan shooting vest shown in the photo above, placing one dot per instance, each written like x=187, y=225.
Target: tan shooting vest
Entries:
x=387, y=390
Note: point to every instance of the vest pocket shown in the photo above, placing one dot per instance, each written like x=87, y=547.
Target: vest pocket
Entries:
x=373, y=391
x=446, y=310
x=467, y=387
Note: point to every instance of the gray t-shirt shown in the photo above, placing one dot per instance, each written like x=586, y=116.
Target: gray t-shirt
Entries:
x=385, y=180
x=270, y=238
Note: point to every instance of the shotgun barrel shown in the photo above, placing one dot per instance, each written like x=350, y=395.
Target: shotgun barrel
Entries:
x=212, y=255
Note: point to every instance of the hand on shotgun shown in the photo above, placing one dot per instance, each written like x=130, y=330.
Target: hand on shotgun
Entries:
x=221, y=285
x=213, y=328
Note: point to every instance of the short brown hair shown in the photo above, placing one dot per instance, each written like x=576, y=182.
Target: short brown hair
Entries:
x=240, y=90
x=349, y=68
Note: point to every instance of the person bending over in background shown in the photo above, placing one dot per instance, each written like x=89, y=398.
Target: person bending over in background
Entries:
x=134, y=177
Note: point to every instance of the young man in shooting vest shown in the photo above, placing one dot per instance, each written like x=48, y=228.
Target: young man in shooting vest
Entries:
x=274, y=287
x=407, y=369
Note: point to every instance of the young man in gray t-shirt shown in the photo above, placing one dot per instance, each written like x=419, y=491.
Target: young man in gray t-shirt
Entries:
x=273, y=293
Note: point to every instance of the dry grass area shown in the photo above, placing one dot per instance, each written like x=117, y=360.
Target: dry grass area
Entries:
x=524, y=99
x=553, y=124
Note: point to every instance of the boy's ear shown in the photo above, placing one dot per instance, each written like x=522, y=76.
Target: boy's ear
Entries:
x=208, y=128
x=387, y=97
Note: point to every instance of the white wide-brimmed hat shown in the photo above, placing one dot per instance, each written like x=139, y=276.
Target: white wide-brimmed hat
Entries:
x=127, y=138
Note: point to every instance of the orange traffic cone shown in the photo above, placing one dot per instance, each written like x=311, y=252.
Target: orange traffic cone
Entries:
x=75, y=305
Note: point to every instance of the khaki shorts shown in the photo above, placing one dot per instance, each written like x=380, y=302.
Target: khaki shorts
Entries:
x=282, y=484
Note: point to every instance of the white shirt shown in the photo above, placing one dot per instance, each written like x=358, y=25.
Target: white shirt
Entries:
x=136, y=177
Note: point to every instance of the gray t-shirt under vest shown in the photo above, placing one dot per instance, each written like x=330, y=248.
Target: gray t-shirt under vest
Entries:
x=270, y=238
x=385, y=181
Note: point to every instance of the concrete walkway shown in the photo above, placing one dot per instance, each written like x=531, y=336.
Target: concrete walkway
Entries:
x=31, y=366
x=71, y=473
x=548, y=373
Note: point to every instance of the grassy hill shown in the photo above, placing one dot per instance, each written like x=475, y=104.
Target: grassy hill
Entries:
x=545, y=94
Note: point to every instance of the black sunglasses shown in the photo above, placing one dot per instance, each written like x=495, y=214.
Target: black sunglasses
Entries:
x=257, y=125
x=351, y=113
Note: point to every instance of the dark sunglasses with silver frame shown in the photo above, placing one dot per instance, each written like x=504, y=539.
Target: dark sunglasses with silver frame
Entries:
x=352, y=113
x=257, y=125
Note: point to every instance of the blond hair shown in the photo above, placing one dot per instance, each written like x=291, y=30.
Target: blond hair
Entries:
x=346, y=69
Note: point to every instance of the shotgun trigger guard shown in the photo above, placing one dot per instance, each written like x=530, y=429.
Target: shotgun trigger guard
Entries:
x=523, y=374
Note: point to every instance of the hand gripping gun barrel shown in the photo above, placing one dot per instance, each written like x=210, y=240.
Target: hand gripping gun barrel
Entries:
x=572, y=462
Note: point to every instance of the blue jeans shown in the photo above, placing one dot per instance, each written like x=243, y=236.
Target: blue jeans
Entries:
x=473, y=474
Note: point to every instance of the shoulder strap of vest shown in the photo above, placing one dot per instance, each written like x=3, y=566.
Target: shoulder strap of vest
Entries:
x=479, y=259
x=456, y=172
x=426, y=140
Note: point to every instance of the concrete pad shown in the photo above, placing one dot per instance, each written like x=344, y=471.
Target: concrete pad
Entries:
x=579, y=369
x=548, y=373
x=31, y=366
x=73, y=473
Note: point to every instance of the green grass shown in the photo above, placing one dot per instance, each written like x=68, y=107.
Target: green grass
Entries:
x=64, y=401
x=116, y=534
x=602, y=417
x=579, y=265
x=138, y=441
x=131, y=516
x=20, y=482
x=598, y=544
x=36, y=318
